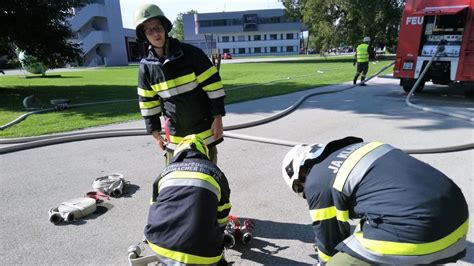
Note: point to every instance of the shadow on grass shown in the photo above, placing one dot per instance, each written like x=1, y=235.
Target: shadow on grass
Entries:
x=11, y=98
x=49, y=77
x=316, y=61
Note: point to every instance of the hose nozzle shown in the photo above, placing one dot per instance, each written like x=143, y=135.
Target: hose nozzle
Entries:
x=229, y=239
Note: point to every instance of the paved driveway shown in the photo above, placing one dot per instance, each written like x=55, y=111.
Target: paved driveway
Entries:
x=33, y=181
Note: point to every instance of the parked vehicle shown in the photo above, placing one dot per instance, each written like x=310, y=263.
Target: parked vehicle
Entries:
x=427, y=24
x=226, y=56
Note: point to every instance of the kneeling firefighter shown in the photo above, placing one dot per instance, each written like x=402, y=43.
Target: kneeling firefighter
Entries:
x=410, y=213
x=190, y=208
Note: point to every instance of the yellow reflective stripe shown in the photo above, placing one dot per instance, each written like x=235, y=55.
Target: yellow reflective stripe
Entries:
x=207, y=74
x=169, y=84
x=148, y=105
x=342, y=216
x=350, y=162
x=395, y=248
x=190, y=175
x=329, y=213
x=146, y=93
x=223, y=220
x=223, y=207
x=203, y=135
x=183, y=257
x=214, y=86
x=323, y=256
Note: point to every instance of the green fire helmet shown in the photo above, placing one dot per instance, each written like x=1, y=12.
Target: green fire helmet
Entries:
x=146, y=12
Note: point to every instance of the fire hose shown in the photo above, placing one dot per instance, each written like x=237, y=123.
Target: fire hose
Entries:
x=35, y=142
x=439, y=49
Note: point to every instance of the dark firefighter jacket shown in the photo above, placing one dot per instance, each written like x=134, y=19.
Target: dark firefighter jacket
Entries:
x=189, y=211
x=410, y=213
x=186, y=87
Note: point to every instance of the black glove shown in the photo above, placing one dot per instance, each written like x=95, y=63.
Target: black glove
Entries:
x=354, y=64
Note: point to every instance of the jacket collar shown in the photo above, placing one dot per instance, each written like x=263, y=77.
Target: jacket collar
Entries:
x=188, y=154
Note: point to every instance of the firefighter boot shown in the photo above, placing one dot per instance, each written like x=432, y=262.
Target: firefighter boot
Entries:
x=362, y=83
x=355, y=80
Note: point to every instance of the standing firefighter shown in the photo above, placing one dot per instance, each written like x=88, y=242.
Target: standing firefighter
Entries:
x=362, y=59
x=190, y=208
x=410, y=213
x=179, y=80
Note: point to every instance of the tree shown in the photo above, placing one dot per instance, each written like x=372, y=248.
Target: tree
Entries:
x=40, y=28
x=333, y=23
x=177, y=31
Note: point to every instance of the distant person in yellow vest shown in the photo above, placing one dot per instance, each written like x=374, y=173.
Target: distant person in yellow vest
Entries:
x=362, y=59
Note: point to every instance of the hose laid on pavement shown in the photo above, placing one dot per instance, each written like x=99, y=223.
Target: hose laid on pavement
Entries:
x=35, y=142
x=439, y=49
x=142, y=132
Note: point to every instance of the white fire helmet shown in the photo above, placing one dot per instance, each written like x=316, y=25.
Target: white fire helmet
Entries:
x=366, y=39
x=293, y=170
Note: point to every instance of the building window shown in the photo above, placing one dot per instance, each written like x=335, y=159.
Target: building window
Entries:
x=241, y=50
x=250, y=22
x=241, y=38
x=289, y=48
x=233, y=22
x=289, y=36
x=225, y=38
x=256, y=37
x=273, y=49
x=273, y=36
x=258, y=50
x=270, y=20
x=226, y=50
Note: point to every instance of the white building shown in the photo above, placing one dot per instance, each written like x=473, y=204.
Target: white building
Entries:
x=241, y=33
x=98, y=27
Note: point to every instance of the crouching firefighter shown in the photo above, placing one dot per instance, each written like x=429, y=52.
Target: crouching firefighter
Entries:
x=410, y=213
x=190, y=208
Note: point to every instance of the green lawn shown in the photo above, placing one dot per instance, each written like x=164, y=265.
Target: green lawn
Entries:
x=243, y=82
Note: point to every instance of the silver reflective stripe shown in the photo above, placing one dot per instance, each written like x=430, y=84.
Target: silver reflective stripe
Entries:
x=352, y=243
x=216, y=94
x=189, y=182
x=171, y=146
x=210, y=140
x=178, y=90
x=152, y=111
x=359, y=170
x=168, y=261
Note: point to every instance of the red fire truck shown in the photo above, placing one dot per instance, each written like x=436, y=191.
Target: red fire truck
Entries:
x=426, y=24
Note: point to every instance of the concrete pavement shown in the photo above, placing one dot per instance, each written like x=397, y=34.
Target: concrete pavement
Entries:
x=35, y=180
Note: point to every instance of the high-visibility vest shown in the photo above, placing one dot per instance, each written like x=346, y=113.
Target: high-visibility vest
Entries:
x=363, y=53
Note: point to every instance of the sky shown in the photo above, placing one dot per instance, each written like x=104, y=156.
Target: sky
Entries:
x=172, y=8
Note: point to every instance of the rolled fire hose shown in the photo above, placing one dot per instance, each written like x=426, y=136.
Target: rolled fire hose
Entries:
x=110, y=184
